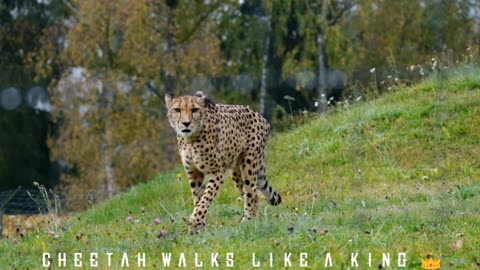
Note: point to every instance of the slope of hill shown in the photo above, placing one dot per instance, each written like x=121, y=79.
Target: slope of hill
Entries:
x=378, y=184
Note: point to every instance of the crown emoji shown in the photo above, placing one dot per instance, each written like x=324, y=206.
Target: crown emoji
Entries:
x=431, y=263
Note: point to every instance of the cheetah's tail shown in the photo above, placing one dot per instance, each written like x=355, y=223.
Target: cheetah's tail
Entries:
x=273, y=197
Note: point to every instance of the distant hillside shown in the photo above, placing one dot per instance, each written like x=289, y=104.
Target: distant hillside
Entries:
x=396, y=175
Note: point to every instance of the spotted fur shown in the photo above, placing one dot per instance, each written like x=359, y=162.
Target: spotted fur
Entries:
x=213, y=138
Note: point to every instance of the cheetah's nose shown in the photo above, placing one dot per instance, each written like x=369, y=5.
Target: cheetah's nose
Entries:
x=186, y=124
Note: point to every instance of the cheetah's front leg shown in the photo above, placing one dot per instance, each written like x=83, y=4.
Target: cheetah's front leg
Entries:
x=196, y=185
x=197, y=219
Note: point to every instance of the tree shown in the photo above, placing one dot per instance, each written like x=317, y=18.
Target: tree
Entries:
x=116, y=60
x=392, y=36
x=331, y=12
x=244, y=31
x=265, y=60
x=25, y=157
x=306, y=34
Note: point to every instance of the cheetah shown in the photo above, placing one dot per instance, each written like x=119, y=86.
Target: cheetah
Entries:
x=214, y=138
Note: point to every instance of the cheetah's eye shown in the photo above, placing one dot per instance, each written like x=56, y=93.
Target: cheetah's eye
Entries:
x=194, y=110
x=177, y=110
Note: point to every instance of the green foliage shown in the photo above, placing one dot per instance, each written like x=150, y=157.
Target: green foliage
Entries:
x=121, y=58
x=396, y=36
x=243, y=29
x=397, y=174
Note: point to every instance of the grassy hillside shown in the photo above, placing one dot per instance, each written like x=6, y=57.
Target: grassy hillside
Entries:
x=396, y=175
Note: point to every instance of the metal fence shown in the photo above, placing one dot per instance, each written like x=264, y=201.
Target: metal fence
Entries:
x=20, y=202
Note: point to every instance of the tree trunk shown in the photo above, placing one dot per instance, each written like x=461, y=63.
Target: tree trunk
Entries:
x=322, y=65
x=108, y=185
x=263, y=84
x=170, y=80
x=322, y=78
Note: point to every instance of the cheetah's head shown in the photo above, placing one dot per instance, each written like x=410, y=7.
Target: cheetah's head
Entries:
x=186, y=113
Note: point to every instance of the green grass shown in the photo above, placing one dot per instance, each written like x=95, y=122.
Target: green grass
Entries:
x=399, y=174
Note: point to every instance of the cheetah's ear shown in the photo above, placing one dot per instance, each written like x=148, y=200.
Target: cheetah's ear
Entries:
x=207, y=102
x=200, y=94
x=168, y=99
